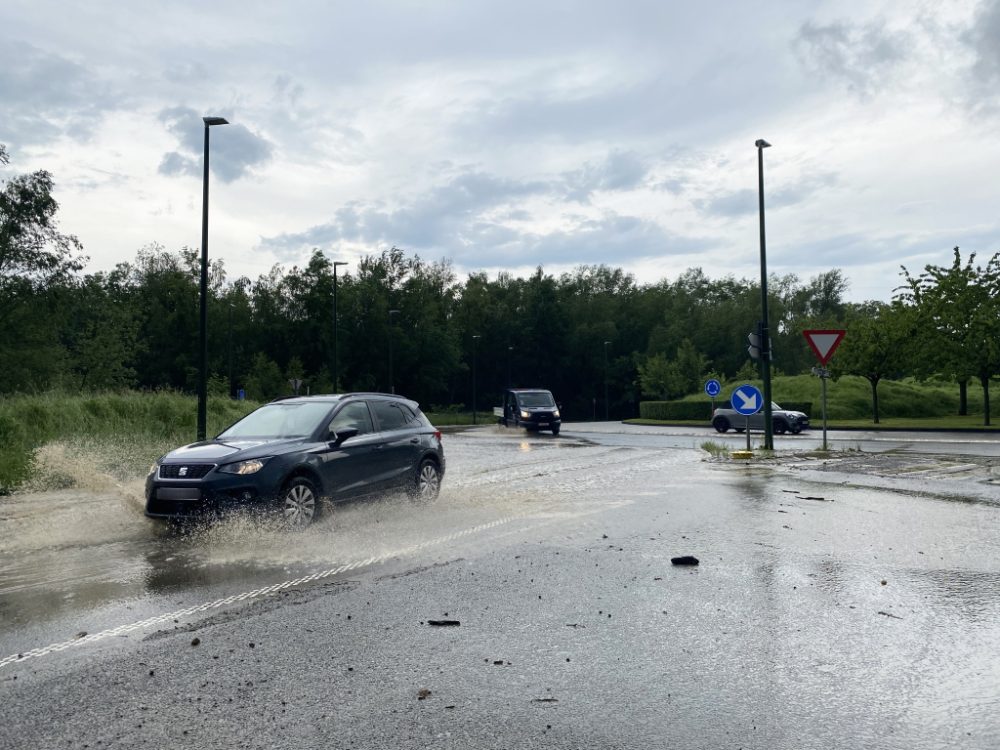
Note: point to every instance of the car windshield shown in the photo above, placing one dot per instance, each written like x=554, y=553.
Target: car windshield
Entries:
x=280, y=420
x=541, y=398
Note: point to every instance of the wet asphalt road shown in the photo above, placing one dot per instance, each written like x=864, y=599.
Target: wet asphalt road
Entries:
x=576, y=630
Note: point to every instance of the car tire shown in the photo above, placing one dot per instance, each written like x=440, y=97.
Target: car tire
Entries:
x=299, y=504
x=427, y=482
x=779, y=426
x=555, y=431
x=796, y=429
x=721, y=424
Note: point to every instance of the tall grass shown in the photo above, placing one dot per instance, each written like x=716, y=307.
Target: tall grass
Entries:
x=28, y=422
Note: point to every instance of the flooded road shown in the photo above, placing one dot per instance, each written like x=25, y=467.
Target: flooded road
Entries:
x=847, y=602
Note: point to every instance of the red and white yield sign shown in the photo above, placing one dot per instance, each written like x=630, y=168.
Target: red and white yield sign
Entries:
x=824, y=343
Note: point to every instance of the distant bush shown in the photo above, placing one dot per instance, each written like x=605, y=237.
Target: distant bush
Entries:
x=667, y=410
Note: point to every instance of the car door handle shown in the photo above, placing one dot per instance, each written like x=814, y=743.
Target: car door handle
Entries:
x=380, y=446
x=414, y=440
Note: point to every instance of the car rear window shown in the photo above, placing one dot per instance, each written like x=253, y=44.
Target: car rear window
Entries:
x=391, y=416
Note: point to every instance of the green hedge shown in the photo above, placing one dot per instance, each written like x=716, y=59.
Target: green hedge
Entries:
x=696, y=410
x=667, y=410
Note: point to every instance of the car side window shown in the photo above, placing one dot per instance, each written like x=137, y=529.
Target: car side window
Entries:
x=354, y=414
x=390, y=415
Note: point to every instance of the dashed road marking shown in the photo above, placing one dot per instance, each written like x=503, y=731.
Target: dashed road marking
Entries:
x=250, y=595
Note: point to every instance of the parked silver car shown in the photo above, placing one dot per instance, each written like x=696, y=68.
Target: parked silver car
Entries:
x=782, y=420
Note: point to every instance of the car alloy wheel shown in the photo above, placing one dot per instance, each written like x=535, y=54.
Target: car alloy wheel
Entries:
x=428, y=483
x=299, y=504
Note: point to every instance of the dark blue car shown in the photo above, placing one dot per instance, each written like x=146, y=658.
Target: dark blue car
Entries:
x=290, y=455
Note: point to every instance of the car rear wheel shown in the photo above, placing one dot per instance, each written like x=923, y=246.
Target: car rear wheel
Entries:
x=300, y=503
x=721, y=424
x=427, y=484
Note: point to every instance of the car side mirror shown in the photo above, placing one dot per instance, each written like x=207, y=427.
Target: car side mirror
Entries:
x=345, y=433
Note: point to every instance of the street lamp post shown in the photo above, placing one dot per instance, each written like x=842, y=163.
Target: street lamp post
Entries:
x=203, y=312
x=606, y=380
x=475, y=340
x=392, y=385
x=336, y=371
x=509, y=350
x=765, y=336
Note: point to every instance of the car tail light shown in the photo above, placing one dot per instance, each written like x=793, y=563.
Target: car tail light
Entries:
x=437, y=434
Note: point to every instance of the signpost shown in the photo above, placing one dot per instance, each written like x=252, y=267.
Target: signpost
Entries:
x=824, y=343
x=747, y=400
x=713, y=388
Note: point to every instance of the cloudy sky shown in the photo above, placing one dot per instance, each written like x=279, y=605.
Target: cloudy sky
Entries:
x=505, y=135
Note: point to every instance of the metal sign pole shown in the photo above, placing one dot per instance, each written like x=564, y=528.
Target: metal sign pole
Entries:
x=748, y=432
x=823, y=378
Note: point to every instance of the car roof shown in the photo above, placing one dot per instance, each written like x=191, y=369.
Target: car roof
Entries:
x=529, y=390
x=335, y=397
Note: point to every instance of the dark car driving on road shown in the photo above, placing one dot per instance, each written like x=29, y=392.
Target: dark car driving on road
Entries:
x=291, y=454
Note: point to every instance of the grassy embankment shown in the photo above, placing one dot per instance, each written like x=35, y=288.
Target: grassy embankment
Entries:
x=121, y=433
x=903, y=404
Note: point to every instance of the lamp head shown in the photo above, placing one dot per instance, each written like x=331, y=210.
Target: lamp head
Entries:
x=761, y=143
x=340, y=263
x=209, y=121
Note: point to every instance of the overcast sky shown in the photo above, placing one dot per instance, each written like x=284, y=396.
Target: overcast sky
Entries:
x=505, y=135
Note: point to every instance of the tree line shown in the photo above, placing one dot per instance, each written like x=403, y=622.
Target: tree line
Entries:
x=580, y=334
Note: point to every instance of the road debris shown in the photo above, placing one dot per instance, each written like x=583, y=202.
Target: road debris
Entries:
x=684, y=560
x=423, y=693
x=444, y=623
x=890, y=614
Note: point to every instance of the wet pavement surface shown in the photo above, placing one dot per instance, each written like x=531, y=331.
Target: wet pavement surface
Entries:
x=842, y=600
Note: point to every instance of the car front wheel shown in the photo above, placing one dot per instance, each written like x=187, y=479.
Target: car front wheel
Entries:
x=427, y=484
x=721, y=424
x=779, y=426
x=796, y=429
x=300, y=503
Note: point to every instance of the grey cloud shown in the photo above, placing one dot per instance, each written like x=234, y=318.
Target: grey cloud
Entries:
x=984, y=40
x=235, y=150
x=465, y=219
x=46, y=95
x=742, y=202
x=621, y=170
x=863, y=57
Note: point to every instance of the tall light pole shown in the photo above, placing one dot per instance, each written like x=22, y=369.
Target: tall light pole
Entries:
x=475, y=340
x=392, y=385
x=765, y=335
x=336, y=372
x=606, y=380
x=203, y=316
x=509, y=350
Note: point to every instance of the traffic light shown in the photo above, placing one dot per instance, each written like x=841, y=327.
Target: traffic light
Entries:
x=756, y=348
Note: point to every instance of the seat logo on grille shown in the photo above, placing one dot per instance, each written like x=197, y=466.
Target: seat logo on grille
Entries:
x=183, y=472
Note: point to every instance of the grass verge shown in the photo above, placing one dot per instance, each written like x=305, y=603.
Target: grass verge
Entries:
x=29, y=422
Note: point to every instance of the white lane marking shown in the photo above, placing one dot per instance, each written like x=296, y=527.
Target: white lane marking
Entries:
x=249, y=595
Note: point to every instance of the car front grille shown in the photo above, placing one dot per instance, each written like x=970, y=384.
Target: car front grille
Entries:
x=184, y=471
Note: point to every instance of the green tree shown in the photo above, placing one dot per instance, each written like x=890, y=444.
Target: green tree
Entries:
x=37, y=266
x=877, y=343
x=958, y=308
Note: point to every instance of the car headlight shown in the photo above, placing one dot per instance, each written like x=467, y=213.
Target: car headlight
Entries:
x=244, y=467
x=154, y=467
x=525, y=414
x=556, y=414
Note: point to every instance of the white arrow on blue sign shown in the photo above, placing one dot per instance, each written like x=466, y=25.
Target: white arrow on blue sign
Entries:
x=747, y=400
x=713, y=388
